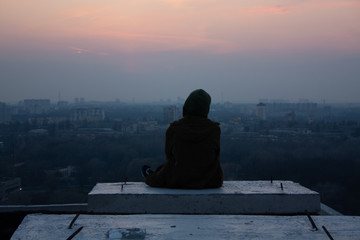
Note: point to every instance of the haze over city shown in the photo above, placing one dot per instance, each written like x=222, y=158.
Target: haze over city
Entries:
x=147, y=50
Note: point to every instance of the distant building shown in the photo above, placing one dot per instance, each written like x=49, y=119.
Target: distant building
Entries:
x=62, y=104
x=88, y=114
x=5, y=115
x=310, y=119
x=9, y=185
x=298, y=107
x=68, y=171
x=79, y=100
x=37, y=106
x=290, y=117
x=171, y=113
x=261, y=111
x=38, y=132
x=146, y=126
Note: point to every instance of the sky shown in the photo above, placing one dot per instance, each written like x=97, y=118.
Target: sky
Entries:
x=147, y=50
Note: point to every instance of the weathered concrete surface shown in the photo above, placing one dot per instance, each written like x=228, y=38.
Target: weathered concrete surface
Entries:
x=235, y=197
x=53, y=208
x=174, y=227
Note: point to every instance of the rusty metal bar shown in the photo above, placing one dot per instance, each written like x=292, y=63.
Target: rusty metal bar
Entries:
x=311, y=221
x=75, y=233
x=327, y=233
x=73, y=221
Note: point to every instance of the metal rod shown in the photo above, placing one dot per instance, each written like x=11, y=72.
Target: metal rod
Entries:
x=282, y=187
x=74, y=234
x=73, y=221
x=312, y=221
x=271, y=179
x=327, y=233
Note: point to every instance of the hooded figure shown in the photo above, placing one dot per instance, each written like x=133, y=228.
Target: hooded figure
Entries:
x=192, y=149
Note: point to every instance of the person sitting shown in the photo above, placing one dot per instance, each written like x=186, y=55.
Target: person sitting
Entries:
x=192, y=149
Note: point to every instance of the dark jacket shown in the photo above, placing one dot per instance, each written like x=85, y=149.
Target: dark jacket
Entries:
x=192, y=150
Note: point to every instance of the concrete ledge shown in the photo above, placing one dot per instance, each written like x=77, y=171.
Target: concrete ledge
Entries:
x=235, y=197
x=53, y=208
x=179, y=227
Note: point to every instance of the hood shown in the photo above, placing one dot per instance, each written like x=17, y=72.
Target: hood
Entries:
x=197, y=104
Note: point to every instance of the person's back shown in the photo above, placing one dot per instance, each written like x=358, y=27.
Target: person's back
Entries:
x=192, y=149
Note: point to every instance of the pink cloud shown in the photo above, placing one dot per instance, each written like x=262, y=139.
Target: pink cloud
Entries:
x=79, y=50
x=270, y=10
x=82, y=50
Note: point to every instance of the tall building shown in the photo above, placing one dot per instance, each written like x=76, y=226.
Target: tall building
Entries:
x=261, y=111
x=171, y=113
x=4, y=113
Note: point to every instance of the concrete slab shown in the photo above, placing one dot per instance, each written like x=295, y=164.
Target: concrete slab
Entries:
x=174, y=227
x=235, y=197
x=53, y=208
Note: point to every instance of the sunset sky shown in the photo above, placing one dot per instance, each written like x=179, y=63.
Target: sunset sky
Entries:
x=147, y=50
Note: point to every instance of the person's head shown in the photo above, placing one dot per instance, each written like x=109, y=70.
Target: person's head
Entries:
x=197, y=104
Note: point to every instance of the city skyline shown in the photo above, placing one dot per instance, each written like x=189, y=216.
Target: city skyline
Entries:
x=173, y=101
x=160, y=49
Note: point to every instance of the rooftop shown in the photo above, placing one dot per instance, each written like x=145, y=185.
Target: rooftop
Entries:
x=238, y=210
x=173, y=227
